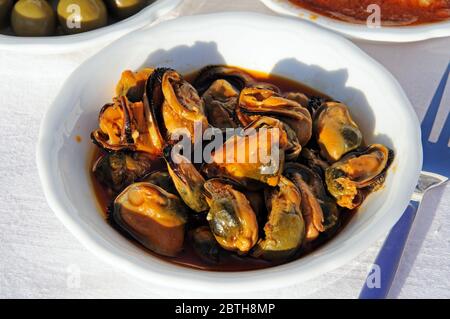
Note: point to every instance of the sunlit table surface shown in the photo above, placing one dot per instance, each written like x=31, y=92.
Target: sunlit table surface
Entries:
x=39, y=257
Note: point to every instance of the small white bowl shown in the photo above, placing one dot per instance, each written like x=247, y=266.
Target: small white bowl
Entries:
x=361, y=31
x=283, y=46
x=68, y=43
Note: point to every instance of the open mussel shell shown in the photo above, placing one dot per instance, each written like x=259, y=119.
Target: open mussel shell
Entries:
x=152, y=216
x=255, y=102
x=129, y=123
x=175, y=104
x=284, y=231
x=154, y=99
x=132, y=84
x=115, y=131
x=336, y=132
x=124, y=125
x=231, y=217
x=119, y=169
x=187, y=180
x=238, y=78
x=356, y=171
x=303, y=177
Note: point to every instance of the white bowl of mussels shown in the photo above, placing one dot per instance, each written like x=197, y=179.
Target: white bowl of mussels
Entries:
x=134, y=153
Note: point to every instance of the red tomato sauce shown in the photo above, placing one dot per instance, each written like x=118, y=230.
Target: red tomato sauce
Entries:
x=393, y=12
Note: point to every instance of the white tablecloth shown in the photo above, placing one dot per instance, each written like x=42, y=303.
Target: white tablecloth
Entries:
x=40, y=258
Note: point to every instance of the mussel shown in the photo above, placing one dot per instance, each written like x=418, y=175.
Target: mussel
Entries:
x=293, y=147
x=311, y=209
x=305, y=178
x=315, y=102
x=257, y=201
x=161, y=179
x=255, y=102
x=119, y=169
x=285, y=228
x=124, y=125
x=231, y=217
x=288, y=139
x=176, y=104
x=265, y=86
x=205, y=245
x=356, y=171
x=255, y=156
x=152, y=216
x=298, y=97
x=115, y=129
x=312, y=212
x=335, y=131
x=312, y=103
x=132, y=84
x=311, y=158
x=187, y=180
x=220, y=104
x=238, y=78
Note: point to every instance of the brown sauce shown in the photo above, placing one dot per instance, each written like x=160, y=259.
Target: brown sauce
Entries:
x=393, y=12
x=231, y=261
x=284, y=84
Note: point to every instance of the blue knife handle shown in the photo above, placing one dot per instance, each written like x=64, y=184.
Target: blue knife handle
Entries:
x=380, y=278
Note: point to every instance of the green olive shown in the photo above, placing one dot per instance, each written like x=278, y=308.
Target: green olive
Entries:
x=77, y=16
x=33, y=18
x=5, y=9
x=124, y=8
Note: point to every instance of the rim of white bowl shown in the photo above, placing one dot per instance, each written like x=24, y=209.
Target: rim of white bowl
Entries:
x=358, y=31
x=109, y=33
x=180, y=277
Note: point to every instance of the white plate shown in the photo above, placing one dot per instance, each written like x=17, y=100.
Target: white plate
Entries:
x=357, y=31
x=66, y=43
x=287, y=47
